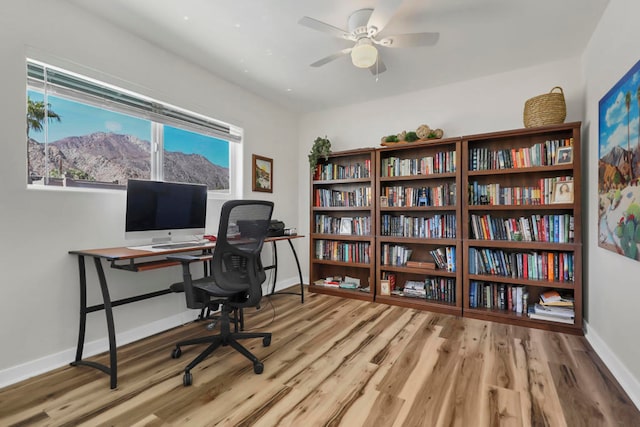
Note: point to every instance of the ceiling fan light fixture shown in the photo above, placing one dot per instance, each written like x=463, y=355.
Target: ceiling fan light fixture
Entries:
x=364, y=54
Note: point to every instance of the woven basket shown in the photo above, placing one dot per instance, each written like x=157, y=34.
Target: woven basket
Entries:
x=547, y=109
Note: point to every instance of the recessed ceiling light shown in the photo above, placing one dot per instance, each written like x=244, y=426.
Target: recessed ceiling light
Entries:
x=289, y=89
x=237, y=25
x=246, y=71
x=186, y=18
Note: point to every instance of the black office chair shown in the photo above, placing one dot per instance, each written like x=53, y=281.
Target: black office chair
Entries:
x=235, y=280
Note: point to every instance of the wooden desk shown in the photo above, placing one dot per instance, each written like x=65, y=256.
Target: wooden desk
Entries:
x=136, y=260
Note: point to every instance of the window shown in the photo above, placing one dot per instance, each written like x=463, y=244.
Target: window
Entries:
x=86, y=133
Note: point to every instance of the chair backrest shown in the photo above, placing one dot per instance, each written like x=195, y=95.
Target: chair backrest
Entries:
x=236, y=264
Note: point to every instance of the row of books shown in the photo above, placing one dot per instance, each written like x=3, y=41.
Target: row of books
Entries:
x=442, y=162
x=359, y=197
x=445, y=258
x=533, y=228
x=355, y=252
x=498, y=296
x=396, y=255
x=544, y=265
x=331, y=171
x=435, y=227
x=539, y=154
x=401, y=196
x=359, y=225
x=495, y=194
x=432, y=288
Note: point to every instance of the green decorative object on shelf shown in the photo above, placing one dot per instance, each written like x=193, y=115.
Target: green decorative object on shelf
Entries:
x=321, y=148
x=411, y=136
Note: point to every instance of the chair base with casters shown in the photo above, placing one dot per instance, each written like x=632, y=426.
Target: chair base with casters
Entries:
x=224, y=338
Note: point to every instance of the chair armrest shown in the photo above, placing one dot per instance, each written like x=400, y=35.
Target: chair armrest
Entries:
x=186, y=259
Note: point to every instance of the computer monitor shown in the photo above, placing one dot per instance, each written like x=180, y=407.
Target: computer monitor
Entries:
x=160, y=211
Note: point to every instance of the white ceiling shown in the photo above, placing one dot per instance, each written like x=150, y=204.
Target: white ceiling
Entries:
x=259, y=45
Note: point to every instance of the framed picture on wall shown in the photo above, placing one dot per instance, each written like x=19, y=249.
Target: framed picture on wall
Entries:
x=262, y=168
x=619, y=165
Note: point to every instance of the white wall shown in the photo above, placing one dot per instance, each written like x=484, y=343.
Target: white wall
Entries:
x=39, y=287
x=486, y=104
x=613, y=288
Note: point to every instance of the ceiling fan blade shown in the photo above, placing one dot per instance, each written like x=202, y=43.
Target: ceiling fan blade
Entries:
x=330, y=58
x=324, y=27
x=378, y=67
x=410, y=40
x=382, y=14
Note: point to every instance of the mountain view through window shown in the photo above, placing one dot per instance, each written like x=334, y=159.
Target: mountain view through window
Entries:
x=84, y=145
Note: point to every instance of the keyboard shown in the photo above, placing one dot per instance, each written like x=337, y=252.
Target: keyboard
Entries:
x=178, y=245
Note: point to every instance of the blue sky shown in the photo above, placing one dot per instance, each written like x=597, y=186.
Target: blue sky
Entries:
x=80, y=119
x=613, y=128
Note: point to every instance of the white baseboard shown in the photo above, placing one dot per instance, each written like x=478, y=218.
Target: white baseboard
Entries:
x=629, y=383
x=32, y=368
x=53, y=361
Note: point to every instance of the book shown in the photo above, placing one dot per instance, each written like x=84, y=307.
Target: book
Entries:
x=554, y=311
x=421, y=264
x=550, y=296
x=541, y=316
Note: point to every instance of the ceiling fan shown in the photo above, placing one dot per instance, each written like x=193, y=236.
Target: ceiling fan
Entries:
x=364, y=27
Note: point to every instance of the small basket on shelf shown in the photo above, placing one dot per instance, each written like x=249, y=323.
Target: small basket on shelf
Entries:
x=547, y=109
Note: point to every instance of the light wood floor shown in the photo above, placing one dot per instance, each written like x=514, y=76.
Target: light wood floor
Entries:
x=340, y=362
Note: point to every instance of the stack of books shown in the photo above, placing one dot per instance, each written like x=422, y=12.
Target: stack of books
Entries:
x=414, y=289
x=553, y=307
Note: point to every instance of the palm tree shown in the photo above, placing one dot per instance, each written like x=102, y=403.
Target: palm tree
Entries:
x=36, y=113
x=627, y=103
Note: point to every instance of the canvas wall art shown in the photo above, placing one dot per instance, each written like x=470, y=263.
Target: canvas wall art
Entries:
x=618, y=167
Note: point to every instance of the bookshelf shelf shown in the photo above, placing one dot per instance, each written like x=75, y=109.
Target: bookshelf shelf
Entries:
x=525, y=170
x=422, y=271
x=549, y=207
x=528, y=246
x=520, y=281
x=419, y=304
x=340, y=292
x=398, y=239
x=417, y=177
x=417, y=209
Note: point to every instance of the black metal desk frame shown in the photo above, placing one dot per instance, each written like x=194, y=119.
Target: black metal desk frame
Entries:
x=127, y=259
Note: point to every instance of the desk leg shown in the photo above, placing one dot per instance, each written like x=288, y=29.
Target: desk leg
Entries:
x=83, y=308
x=113, y=356
x=112, y=370
x=295, y=255
x=275, y=266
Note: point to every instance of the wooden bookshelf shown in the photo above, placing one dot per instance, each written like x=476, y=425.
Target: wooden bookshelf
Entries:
x=418, y=210
x=342, y=228
x=475, y=183
x=535, y=243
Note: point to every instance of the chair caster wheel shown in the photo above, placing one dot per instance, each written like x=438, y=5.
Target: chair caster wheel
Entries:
x=266, y=341
x=187, y=379
x=176, y=353
x=258, y=367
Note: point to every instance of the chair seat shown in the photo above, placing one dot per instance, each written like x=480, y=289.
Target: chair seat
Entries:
x=212, y=289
